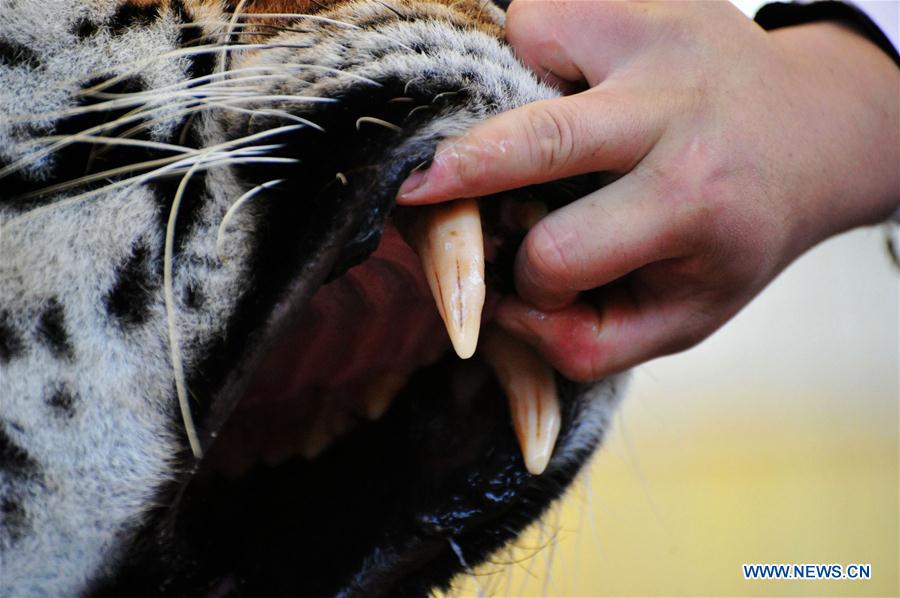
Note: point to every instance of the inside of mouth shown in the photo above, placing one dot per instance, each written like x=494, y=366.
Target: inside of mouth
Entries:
x=354, y=348
x=366, y=454
x=378, y=512
x=362, y=336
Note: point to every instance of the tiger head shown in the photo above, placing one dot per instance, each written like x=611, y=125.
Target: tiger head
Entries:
x=223, y=368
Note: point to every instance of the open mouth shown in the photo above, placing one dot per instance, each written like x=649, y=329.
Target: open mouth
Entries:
x=363, y=336
x=366, y=456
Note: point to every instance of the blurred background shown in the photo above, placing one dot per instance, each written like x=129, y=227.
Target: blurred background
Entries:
x=775, y=441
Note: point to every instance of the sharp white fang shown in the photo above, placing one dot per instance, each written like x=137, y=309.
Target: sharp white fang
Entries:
x=449, y=242
x=530, y=387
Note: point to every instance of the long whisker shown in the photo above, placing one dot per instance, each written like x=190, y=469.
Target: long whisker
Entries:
x=269, y=112
x=135, y=181
x=205, y=105
x=150, y=163
x=109, y=105
x=191, y=82
x=292, y=15
x=220, y=235
x=190, y=95
x=209, y=82
x=226, y=37
x=169, y=296
x=176, y=53
x=22, y=162
x=99, y=140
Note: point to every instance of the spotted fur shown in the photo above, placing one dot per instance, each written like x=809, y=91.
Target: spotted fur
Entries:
x=118, y=128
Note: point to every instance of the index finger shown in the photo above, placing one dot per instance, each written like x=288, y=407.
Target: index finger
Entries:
x=596, y=130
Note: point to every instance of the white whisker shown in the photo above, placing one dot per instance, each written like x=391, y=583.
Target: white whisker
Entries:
x=174, y=343
x=378, y=121
x=289, y=15
x=270, y=112
x=177, y=53
x=132, y=182
x=220, y=235
x=99, y=140
x=444, y=94
x=120, y=103
x=223, y=59
x=227, y=145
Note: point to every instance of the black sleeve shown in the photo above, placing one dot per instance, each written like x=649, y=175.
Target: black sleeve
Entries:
x=786, y=14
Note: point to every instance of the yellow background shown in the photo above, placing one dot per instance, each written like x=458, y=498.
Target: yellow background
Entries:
x=775, y=441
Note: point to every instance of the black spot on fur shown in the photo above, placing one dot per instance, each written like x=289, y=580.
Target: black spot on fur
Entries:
x=10, y=343
x=128, y=301
x=13, y=458
x=13, y=520
x=15, y=54
x=62, y=400
x=52, y=331
x=194, y=297
x=192, y=35
x=131, y=16
x=84, y=28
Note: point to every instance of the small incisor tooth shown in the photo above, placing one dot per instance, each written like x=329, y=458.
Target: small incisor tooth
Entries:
x=449, y=242
x=380, y=392
x=529, y=385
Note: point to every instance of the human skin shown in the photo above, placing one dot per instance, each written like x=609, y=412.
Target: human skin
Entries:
x=733, y=151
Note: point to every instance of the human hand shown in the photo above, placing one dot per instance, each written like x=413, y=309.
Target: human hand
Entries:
x=737, y=149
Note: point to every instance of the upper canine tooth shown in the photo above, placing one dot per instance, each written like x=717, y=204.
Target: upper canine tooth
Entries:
x=449, y=242
x=530, y=387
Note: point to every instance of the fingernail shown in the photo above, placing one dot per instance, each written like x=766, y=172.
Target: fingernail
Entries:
x=414, y=182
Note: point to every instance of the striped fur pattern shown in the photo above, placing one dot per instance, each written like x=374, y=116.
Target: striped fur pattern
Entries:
x=127, y=132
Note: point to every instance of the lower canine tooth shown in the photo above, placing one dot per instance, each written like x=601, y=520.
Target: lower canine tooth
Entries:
x=529, y=384
x=449, y=242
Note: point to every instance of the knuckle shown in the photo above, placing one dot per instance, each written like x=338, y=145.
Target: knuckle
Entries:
x=467, y=166
x=553, y=135
x=548, y=257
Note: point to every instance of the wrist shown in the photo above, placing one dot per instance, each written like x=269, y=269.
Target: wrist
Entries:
x=844, y=92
